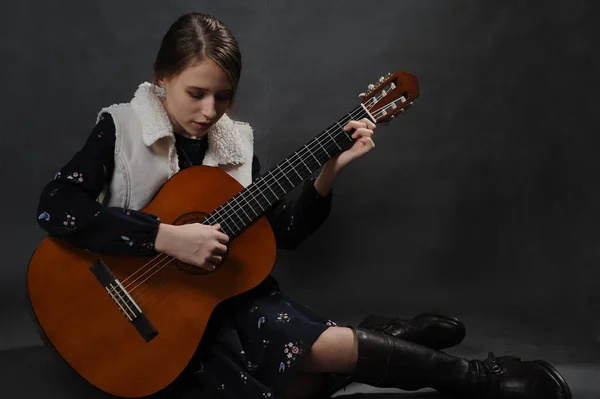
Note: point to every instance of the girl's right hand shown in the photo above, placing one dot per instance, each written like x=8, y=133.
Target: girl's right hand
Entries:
x=195, y=243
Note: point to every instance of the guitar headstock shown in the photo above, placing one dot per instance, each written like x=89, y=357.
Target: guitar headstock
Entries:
x=391, y=95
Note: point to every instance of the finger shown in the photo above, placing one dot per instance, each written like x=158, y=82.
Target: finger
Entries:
x=222, y=237
x=207, y=266
x=369, y=124
x=220, y=249
x=362, y=133
x=354, y=125
x=214, y=260
x=369, y=142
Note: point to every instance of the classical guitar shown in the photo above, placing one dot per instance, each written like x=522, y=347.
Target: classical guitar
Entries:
x=130, y=326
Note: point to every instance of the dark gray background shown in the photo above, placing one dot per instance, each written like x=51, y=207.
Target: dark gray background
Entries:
x=481, y=201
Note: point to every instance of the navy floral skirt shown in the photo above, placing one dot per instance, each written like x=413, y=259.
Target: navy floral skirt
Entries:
x=253, y=345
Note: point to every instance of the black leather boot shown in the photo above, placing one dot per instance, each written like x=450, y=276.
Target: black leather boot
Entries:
x=390, y=362
x=434, y=330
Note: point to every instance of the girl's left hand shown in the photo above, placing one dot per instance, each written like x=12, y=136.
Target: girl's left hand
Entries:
x=363, y=144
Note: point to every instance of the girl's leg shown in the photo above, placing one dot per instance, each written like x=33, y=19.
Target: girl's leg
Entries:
x=336, y=351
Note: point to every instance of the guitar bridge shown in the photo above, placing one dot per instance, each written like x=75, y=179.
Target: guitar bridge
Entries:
x=123, y=300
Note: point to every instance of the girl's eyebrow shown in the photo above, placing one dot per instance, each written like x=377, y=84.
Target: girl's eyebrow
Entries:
x=202, y=88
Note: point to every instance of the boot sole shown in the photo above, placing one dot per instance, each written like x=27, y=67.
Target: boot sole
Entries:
x=559, y=378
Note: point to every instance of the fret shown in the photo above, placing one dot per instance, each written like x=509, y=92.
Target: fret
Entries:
x=293, y=185
x=234, y=199
x=252, y=195
x=264, y=196
x=289, y=163
x=309, y=170
x=331, y=137
x=313, y=155
x=345, y=132
x=319, y=142
x=269, y=187
x=232, y=214
x=277, y=181
x=245, y=200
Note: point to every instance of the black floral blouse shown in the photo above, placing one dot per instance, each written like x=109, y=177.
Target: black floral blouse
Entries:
x=253, y=341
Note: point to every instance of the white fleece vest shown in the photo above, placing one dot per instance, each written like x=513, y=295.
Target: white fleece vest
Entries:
x=145, y=153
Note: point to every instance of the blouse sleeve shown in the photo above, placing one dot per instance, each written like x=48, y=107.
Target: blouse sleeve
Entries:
x=68, y=208
x=296, y=217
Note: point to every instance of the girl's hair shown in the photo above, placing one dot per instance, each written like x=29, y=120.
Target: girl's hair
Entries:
x=193, y=36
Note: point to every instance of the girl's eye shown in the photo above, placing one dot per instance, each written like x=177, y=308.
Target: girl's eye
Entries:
x=220, y=98
x=196, y=95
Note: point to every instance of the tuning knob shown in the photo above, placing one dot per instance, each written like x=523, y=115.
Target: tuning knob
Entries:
x=371, y=87
x=362, y=95
x=381, y=79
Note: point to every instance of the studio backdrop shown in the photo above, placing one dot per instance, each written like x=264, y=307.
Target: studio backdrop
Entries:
x=481, y=201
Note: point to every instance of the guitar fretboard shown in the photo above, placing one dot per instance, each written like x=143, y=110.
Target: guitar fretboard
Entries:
x=253, y=201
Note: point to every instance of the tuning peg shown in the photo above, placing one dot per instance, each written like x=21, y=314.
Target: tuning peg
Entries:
x=362, y=95
x=388, y=120
x=381, y=79
x=371, y=87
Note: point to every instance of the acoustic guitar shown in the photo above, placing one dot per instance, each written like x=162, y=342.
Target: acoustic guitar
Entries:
x=129, y=326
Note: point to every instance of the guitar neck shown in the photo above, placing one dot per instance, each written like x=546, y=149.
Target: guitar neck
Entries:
x=253, y=201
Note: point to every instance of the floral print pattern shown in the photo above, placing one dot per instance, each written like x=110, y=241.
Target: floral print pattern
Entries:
x=283, y=318
x=291, y=351
x=44, y=216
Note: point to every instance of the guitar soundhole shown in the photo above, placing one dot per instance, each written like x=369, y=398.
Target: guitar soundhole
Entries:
x=187, y=218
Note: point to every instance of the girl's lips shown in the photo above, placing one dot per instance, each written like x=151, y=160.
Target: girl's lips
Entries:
x=202, y=125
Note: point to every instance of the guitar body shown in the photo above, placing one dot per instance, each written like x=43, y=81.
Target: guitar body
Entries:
x=86, y=325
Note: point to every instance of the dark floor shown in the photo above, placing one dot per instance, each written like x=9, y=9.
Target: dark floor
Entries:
x=35, y=373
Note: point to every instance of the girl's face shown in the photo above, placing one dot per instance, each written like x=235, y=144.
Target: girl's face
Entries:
x=197, y=97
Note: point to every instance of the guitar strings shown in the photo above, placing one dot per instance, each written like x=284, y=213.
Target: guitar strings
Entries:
x=217, y=214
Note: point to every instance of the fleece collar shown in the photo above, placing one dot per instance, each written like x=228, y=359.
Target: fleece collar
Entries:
x=225, y=144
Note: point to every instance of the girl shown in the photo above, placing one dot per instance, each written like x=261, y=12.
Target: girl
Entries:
x=260, y=344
